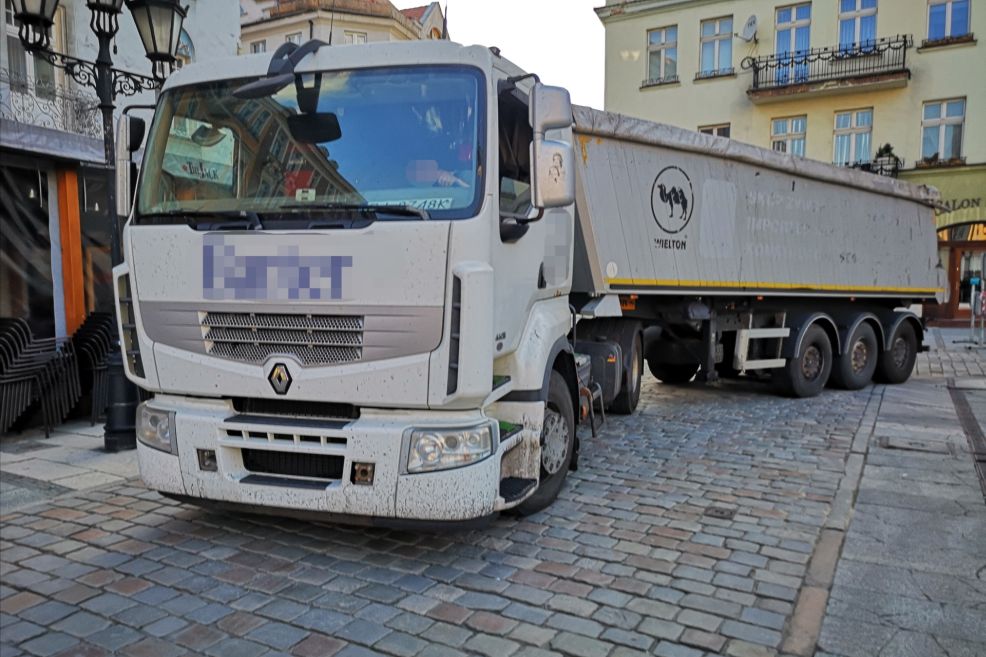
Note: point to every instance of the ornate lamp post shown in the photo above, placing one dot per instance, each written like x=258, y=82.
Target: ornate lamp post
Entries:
x=159, y=24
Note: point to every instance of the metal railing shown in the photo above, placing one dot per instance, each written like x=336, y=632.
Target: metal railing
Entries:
x=33, y=102
x=868, y=58
x=881, y=166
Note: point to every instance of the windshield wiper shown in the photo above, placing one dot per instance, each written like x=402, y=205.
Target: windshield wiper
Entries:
x=374, y=208
x=222, y=220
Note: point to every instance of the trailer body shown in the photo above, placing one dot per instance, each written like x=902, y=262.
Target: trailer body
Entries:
x=663, y=210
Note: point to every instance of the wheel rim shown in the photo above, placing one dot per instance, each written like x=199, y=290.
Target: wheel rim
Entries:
x=554, y=446
x=811, y=363
x=900, y=352
x=860, y=356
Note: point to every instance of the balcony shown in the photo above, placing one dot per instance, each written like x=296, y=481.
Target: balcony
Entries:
x=881, y=166
x=879, y=64
x=48, y=106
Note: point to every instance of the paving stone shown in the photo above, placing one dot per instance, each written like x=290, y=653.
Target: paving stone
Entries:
x=317, y=645
x=80, y=624
x=49, y=643
x=751, y=633
x=277, y=635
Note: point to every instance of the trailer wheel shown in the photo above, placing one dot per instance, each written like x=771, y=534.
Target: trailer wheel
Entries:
x=672, y=373
x=626, y=402
x=896, y=364
x=557, y=446
x=854, y=368
x=806, y=374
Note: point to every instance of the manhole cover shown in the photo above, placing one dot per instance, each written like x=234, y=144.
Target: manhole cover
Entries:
x=912, y=445
x=720, y=512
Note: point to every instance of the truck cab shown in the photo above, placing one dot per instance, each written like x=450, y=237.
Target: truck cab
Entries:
x=346, y=284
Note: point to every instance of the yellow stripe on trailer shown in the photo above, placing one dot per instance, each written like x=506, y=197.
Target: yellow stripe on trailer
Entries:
x=673, y=283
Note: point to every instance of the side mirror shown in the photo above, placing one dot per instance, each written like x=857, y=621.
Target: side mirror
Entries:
x=552, y=165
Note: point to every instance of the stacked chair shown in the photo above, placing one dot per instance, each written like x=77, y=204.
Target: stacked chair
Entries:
x=94, y=341
x=34, y=370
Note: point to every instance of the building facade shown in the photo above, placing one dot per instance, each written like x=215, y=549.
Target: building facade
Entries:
x=54, y=223
x=893, y=87
x=266, y=24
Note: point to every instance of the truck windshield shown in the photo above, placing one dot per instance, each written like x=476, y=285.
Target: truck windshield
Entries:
x=402, y=136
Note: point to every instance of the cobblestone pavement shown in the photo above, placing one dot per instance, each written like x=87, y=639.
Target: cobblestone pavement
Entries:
x=694, y=527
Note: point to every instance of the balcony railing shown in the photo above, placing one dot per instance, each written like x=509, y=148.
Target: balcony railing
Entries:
x=32, y=102
x=881, y=166
x=835, y=63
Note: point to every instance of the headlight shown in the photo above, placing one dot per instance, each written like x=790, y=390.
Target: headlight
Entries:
x=441, y=449
x=156, y=429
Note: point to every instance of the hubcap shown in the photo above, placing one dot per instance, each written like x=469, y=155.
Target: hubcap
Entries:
x=554, y=447
x=900, y=352
x=811, y=363
x=860, y=356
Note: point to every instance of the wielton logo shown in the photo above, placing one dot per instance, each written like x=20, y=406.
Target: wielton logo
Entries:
x=671, y=199
x=280, y=379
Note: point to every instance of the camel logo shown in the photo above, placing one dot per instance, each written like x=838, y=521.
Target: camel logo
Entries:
x=672, y=199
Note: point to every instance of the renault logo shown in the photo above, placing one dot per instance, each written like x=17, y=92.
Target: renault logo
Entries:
x=280, y=378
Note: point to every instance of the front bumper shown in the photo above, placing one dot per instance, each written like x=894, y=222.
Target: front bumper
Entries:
x=377, y=437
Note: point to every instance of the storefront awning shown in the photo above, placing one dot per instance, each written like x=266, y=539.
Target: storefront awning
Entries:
x=963, y=193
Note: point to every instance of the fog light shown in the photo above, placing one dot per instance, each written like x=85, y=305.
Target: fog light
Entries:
x=207, y=460
x=362, y=474
x=156, y=429
x=441, y=449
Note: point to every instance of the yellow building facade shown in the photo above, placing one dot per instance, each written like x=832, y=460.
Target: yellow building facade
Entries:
x=832, y=80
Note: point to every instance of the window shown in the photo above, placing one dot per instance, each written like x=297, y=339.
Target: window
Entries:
x=717, y=46
x=294, y=37
x=857, y=23
x=947, y=19
x=258, y=46
x=852, y=136
x=793, y=36
x=355, y=37
x=787, y=135
x=721, y=130
x=941, y=129
x=26, y=71
x=662, y=54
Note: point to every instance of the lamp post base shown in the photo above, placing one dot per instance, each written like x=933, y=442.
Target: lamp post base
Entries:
x=121, y=413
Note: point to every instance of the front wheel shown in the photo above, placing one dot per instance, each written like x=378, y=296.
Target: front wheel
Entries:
x=557, y=445
x=896, y=364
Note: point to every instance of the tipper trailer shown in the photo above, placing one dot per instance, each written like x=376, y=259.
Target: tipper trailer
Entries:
x=385, y=282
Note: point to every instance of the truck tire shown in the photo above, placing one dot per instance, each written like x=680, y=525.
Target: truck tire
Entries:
x=557, y=446
x=806, y=374
x=626, y=402
x=854, y=369
x=672, y=373
x=896, y=364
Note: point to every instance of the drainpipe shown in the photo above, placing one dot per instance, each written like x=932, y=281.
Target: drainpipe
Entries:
x=311, y=28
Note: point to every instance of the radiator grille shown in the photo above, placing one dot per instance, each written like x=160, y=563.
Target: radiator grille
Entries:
x=291, y=464
x=311, y=339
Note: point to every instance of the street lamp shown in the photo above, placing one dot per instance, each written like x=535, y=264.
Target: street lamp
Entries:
x=159, y=24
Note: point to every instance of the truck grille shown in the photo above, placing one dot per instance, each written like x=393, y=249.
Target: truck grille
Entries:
x=290, y=464
x=311, y=339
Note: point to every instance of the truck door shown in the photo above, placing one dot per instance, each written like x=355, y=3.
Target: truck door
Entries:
x=531, y=260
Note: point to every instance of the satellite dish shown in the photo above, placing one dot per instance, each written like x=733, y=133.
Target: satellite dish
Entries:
x=749, y=32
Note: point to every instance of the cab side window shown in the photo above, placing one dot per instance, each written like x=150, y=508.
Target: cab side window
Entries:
x=515, y=153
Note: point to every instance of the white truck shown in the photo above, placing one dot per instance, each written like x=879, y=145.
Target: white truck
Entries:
x=385, y=282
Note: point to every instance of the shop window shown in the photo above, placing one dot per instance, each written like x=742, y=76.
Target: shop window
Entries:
x=26, y=287
x=95, y=226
